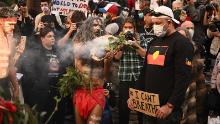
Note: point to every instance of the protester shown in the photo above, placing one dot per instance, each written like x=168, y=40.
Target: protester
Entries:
x=144, y=5
x=7, y=50
x=45, y=8
x=111, y=12
x=211, y=16
x=194, y=107
x=177, y=4
x=148, y=25
x=25, y=22
x=131, y=62
x=41, y=68
x=72, y=23
x=168, y=66
x=199, y=23
x=215, y=85
x=89, y=102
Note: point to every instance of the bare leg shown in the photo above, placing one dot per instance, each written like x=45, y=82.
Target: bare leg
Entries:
x=95, y=116
x=79, y=119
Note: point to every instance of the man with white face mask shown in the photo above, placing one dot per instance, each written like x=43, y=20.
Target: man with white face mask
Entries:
x=45, y=8
x=189, y=26
x=167, y=68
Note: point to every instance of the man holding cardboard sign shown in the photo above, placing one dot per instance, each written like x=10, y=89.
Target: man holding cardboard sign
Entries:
x=166, y=72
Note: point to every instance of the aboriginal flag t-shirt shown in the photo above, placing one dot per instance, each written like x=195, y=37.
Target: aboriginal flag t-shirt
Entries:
x=167, y=69
x=156, y=55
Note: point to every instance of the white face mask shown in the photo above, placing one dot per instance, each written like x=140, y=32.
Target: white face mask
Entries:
x=127, y=30
x=191, y=32
x=45, y=9
x=125, y=13
x=159, y=30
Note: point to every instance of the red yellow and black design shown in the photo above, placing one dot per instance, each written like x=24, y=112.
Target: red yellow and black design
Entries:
x=156, y=55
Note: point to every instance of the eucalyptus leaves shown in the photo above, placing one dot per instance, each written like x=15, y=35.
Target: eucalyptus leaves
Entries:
x=72, y=80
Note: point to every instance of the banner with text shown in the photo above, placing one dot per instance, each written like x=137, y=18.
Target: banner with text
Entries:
x=144, y=102
x=63, y=7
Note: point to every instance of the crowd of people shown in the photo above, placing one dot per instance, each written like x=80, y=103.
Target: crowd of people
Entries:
x=168, y=49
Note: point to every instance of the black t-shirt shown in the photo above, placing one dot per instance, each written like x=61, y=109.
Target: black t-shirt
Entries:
x=167, y=68
x=50, y=66
x=41, y=68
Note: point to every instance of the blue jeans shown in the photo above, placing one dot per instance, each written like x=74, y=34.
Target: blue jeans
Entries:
x=173, y=118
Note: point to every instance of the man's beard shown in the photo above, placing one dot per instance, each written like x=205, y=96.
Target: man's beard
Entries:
x=99, y=33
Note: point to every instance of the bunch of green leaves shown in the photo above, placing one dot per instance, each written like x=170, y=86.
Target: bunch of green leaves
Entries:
x=70, y=81
x=25, y=114
x=120, y=40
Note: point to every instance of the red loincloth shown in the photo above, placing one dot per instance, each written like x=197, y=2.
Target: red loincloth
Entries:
x=85, y=100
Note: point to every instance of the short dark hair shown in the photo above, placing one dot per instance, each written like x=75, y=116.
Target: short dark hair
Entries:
x=48, y=1
x=22, y=3
x=44, y=31
x=6, y=12
x=47, y=18
x=147, y=10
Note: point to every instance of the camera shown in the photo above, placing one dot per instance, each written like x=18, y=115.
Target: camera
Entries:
x=129, y=35
x=209, y=7
x=214, y=26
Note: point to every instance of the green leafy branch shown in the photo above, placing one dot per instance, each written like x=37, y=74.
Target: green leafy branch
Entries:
x=115, y=42
x=72, y=80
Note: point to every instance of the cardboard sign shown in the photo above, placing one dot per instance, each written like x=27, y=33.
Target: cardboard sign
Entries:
x=64, y=7
x=144, y=102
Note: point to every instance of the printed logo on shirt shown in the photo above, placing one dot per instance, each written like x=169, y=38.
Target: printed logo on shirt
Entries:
x=156, y=55
x=54, y=64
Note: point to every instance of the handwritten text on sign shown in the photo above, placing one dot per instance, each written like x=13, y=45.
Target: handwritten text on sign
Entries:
x=144, y=102
x=63, y=7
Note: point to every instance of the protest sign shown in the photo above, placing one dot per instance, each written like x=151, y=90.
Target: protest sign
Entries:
x=64, y=7
x=144, y=102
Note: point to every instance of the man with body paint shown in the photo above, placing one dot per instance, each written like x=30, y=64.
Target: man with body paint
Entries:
x=7, y=47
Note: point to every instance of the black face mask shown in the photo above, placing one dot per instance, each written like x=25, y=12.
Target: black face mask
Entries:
x=177, y=14
x=108, y=19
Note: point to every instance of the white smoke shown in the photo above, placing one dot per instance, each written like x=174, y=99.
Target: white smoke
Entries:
x=97, y=46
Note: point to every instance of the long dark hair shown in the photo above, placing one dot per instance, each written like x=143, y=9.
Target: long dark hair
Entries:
x=85, y=32
x=129, y=20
